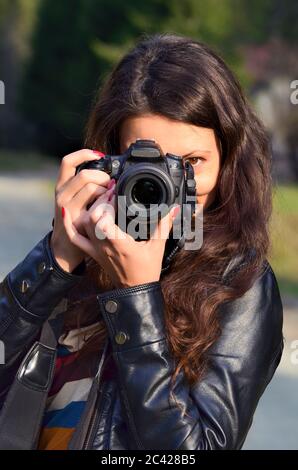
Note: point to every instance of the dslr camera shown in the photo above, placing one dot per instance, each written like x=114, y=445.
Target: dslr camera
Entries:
x=150, y=183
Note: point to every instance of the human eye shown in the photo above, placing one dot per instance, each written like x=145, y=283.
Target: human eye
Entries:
x=195, y=160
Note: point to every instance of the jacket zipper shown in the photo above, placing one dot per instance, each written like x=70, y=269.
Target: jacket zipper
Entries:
x=95, y=416
x=93, y=421
x=89, y=422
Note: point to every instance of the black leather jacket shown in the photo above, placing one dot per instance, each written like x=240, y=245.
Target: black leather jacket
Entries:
x=132, y=410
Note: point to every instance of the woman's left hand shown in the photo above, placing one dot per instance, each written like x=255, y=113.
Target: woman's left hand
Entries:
x=127, y=262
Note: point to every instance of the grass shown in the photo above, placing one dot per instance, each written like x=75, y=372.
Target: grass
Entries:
x=284, y=236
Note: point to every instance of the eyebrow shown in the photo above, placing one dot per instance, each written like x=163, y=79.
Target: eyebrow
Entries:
x=196, y=151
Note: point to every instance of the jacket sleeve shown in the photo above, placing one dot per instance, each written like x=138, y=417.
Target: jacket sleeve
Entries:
x=28, y=295
x=222, y=404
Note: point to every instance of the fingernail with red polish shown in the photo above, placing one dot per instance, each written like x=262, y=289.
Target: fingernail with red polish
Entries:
x=99, y=154
x=111, y=183
x=62, y=212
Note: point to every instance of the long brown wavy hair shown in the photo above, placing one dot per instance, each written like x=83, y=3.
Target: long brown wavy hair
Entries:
x=183, y=79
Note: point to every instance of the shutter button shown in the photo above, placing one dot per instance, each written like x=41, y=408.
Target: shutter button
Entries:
x=111, y=306
x=121, y=337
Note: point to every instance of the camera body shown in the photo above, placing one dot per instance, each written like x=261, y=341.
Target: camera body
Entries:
x=151, y=183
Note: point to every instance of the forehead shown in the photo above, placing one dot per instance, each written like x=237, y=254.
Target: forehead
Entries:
x=173, y=136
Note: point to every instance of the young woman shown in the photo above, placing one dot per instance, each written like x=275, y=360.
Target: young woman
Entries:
x=149, y=359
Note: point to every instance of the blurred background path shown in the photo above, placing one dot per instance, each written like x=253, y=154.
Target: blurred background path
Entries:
x=26, y=210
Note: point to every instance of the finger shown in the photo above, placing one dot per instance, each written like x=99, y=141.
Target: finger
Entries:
x=93, y=214
x=71, y=161
x=76, y=183
x=164, y=226
x=86, y=196
x=75, y=237
x=99, y=206
x=107, y=229
x=103, y=227
x=103, y=197
x=103, y=217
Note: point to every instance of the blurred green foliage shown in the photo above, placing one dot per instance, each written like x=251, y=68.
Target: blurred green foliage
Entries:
x=284, y=237
x=71, y=46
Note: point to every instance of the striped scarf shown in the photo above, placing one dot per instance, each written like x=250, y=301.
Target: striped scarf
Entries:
x=67, y=397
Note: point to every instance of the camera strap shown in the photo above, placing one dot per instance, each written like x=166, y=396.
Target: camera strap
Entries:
x=171, y=248
x=23, y=409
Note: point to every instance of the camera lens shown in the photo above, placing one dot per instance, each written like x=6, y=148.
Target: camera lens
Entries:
x=146, y=191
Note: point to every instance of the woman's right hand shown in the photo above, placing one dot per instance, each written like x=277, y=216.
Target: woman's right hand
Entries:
x=75, y=192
